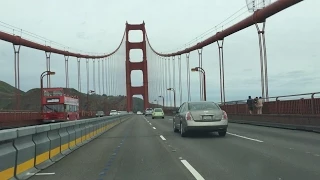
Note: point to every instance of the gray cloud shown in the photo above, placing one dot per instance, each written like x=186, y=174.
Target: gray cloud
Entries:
x=292, y=44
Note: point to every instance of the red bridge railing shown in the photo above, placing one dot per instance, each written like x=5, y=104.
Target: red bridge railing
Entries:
x=301, y=106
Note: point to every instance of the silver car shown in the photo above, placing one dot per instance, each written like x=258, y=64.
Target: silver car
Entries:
x=148, y=112
x=201, y=116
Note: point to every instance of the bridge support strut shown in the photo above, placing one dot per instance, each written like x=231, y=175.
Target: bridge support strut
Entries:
x=48, y=54
x=79, y=75
x=263, y=61
x=220, y=44
x=16, y=49
x=66, y=63
x=200, y=75
x=188, y=75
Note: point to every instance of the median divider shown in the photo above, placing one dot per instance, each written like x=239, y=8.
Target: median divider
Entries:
x=72, y=135
x=42, y=143
x=54, y=137
x=7, y=153
x=64, y=138
x=27, y=150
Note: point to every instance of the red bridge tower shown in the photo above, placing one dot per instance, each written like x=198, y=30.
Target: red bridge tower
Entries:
x=130, y=66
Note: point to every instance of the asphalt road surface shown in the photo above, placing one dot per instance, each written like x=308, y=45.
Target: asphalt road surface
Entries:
x=148, y=149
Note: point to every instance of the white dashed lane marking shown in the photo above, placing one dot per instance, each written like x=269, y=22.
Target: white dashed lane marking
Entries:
x=257, y=140
x=162, y=137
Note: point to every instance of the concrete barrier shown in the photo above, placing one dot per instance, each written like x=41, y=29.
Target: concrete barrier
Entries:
x=72, y=135
x=42, y=143
x=83, y=128
x=87, y=132
x=53, y=134
x=78, y=129
x=27, y=150
x=7, y=153
x=64, y=138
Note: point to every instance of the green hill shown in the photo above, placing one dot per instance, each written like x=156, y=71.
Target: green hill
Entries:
x=7, y=94
x=7, y=90
x=30, y=100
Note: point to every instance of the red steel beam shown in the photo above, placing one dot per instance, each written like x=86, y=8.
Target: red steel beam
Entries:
x=257, y=17
x=17, y=40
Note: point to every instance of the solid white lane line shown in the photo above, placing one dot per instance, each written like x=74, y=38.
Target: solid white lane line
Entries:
x=257, y=140
x=44, y=174
x=162, y=137
x=153, y=127
x=192, y=170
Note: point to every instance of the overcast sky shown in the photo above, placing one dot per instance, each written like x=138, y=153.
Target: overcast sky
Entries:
x=97, y=26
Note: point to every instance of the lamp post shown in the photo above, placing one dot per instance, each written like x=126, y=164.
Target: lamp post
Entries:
x=174, y=96
x=89, y=92
x=44, y=74
x=196, y=69
x=162, y=101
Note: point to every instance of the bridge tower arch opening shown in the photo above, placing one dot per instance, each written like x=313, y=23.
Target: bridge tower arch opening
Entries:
x=137, y=103
x=134, y=65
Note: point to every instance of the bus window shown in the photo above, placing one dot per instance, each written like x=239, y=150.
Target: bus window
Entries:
x=53, y=93
x=57, y=93
x=53, y=108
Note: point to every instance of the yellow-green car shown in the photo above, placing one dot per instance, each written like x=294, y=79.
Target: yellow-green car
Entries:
x=157, y=113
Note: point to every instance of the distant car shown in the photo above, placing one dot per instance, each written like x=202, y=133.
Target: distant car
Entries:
x=201, y=116
x=100, y=114
x=113, y=112
x=139, y=112
x=157, y=113
x=148, y=112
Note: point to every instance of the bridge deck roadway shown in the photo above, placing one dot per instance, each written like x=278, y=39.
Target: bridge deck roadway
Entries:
x=138, y=150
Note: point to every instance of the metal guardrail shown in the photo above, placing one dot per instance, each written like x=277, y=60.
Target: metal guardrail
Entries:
x=27, y=150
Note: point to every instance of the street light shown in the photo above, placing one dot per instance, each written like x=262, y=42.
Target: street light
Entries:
x=196, y=69
x=155, y=102
x=44, y=74
x=174, y=96
x=89, y=92
x=162, y=101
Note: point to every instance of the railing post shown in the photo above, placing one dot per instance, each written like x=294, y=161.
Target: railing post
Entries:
x=312, y=103
x=277, y=105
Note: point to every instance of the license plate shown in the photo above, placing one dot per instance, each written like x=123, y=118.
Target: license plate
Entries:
x=207, y=118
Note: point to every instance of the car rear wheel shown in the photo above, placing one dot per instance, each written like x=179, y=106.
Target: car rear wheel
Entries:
x=162, y=117
x=174, y=127
x=152, y=117
x=222, y=133
x=182, y=132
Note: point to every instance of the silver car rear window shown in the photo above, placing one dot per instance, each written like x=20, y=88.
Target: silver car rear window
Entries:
x=194, y=106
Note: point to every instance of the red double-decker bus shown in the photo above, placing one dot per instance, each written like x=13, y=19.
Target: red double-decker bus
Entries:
x=57, y=106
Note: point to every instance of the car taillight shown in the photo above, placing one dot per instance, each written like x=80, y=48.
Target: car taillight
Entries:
x=224, y=115
x=188, y=116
